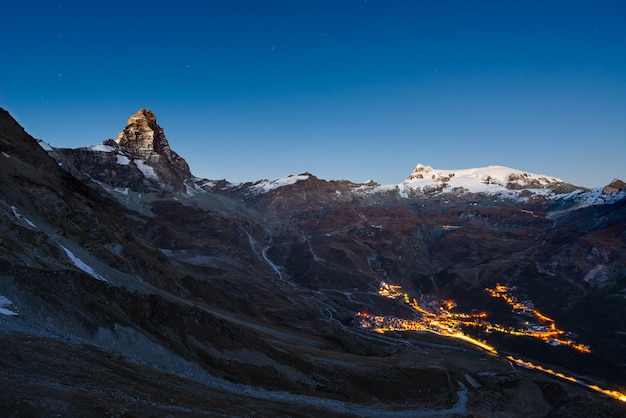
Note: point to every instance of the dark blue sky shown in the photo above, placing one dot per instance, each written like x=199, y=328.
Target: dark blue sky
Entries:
x=341, y=88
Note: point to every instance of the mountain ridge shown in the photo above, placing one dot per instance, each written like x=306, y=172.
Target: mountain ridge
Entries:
x=143, y=146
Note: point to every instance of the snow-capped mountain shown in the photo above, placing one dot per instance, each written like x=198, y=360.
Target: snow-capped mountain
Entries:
x=479, y=180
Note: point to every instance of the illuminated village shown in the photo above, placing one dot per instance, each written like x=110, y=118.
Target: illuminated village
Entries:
x=436, y=316
x=545, y=330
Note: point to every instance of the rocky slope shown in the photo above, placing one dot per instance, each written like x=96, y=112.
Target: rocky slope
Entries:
x=122, y=272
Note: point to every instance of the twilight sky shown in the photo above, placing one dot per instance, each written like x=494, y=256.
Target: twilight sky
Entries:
x=344, y=89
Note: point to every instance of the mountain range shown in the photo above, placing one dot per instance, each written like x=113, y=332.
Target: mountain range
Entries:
x=130, y=286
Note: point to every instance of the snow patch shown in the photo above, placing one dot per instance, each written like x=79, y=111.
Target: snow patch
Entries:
x=102, y=148
x=44, y=145
x=123, y=191
x=122, y=159
x=265, y=186
x=599, y=274
x=208, y=184
x=20, y=217
x=6, y=155
x=404, y=192
x=82, y=265
x=473, y=383
x=106, y=187
x=592, y=197
x=4, y=303
x=146, y=170
x=192, y=187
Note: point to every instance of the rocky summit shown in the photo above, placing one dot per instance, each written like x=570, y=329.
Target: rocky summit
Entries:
x=130, y=287
x=140, y=160
x=143, y=138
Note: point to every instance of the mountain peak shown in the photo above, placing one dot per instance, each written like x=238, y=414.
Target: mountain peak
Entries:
x=143, y=136
x=144, y=117
x=482, y=179
x=143, y=112
x=419, y=172
x=615, y=186
x=144, y=142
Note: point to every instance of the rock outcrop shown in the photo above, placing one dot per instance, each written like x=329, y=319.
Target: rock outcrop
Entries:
x=615, y=186
x=419, y=172
x=144, y=139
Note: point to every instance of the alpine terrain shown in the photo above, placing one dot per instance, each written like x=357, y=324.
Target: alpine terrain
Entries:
x=128, y=286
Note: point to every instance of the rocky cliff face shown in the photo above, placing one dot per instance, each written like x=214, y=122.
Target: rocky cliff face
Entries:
x=143, y=138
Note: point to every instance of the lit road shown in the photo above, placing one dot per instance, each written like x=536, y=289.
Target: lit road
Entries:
x=436, y=316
